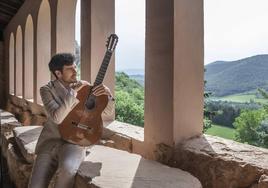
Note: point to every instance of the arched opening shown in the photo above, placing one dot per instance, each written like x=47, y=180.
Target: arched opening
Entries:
x=11, y=64
x=236, y=59
x=28, y=59
x=43, y=46
x=19, y=78
x=130, y=61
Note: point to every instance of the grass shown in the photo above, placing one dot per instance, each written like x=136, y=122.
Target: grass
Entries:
x=242, y=98
x=221, y=131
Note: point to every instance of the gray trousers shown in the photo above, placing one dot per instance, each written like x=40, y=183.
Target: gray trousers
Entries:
x=64, y=159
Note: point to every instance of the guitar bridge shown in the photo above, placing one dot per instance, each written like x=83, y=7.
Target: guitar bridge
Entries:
x=81, y=126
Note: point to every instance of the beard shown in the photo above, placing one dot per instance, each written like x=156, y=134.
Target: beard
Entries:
x=74, y=79
x=69, y=81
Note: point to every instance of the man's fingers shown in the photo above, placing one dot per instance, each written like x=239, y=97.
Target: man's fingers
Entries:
x=98, y=86
x=101, y=91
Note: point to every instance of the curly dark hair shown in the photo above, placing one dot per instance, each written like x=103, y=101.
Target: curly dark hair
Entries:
x=59, y=60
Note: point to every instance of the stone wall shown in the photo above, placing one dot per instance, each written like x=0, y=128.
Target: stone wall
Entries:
x=97, y=170
x=222, y=163
x=216, y=162
x=116, y=134
x=27, y=112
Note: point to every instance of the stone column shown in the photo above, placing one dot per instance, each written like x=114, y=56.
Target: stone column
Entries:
x=2, y=73
x=173, y=72
x=97, y=23
x=65, y=24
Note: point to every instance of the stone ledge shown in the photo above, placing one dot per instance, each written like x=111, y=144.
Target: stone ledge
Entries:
x=19, y=169
x=122, y=136
x=104, y=167
x=132, y=131
x=26, y=138
x=222, y=163
x=118, y=168
x=108, y=167
x=8, y=123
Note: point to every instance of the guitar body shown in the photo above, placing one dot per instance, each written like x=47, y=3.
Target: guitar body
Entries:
x=84, y=126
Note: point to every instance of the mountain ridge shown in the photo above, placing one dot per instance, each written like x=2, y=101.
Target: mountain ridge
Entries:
x=231, y=77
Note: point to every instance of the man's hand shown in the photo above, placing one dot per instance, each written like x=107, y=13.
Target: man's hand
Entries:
x=78, y=85
x=101, y=90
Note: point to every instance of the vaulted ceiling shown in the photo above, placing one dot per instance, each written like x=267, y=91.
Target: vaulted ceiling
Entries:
x=8, y=8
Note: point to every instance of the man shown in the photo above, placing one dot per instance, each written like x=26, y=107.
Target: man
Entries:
x=59, y=97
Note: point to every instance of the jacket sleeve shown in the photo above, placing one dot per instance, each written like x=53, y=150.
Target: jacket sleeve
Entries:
x=57, y=112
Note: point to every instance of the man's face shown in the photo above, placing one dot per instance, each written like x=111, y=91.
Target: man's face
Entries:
x=68, y=73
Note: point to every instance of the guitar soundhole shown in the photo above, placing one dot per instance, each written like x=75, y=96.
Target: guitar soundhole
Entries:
x=90, y=103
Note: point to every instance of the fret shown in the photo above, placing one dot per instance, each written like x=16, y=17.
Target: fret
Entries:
x=104, y=65
x=103, y=68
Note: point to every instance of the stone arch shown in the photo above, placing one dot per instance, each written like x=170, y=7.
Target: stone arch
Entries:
x=28, y=58
x=11, y=64
x=43, y=46
x=66, y=26
x=19, y=70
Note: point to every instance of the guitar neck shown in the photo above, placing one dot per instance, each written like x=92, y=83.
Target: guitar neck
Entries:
x=103, y=68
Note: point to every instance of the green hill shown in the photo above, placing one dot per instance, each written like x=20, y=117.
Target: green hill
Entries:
x=232, y=77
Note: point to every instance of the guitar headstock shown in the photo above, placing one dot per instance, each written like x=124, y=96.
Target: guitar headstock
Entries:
x=112, y=42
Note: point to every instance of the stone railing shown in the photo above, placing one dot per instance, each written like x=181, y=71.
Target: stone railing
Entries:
x=103, y=167
x=215, y=161
x=222, y=163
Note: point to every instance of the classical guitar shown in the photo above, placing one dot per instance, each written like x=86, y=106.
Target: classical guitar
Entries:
x=83, y=125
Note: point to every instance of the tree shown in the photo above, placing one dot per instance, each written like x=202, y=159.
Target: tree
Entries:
x=127, y=110
x=77, y=59
x=129, y=105
x=207, y=123
x=248, y=126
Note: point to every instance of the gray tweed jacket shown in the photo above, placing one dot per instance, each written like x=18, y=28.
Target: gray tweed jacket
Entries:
x=58, y=102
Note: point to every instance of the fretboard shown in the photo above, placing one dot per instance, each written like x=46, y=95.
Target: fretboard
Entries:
x=103, y=68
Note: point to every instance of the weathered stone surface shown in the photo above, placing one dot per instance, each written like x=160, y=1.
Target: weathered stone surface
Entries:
x=263, y=181
x=6, y=117
x=17, y=111
x=36, y=108
x=18, y=101
x=221, y=163
x=4, y=114
x=119, y=141
x=26, y=111
x=132, y=131
x=19, y=169
x=26, y=118
x=121, y=135
x=10, y=106
x=38, y=120
x=26, y=138
x=7, y=135
x=108, y=167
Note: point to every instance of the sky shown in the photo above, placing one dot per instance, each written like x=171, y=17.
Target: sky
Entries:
x=233, y=29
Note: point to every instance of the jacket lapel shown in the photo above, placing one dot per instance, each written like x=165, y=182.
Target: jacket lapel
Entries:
x=58, y=90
